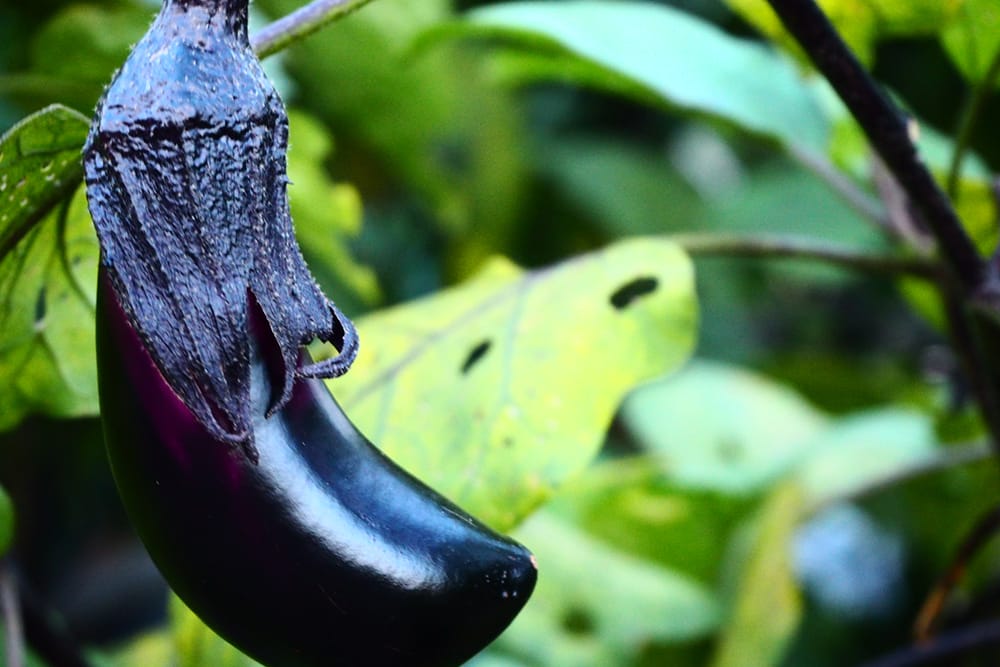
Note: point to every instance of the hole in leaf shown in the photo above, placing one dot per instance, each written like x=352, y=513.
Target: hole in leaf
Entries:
x=578, y=622
x=475, y=355
x=632, y=290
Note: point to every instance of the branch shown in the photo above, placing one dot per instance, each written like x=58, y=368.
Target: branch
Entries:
x=944, y=650
x=805, y=248
x=982, y=532
x=889, y=132
x=10, y=608
x=301, y=23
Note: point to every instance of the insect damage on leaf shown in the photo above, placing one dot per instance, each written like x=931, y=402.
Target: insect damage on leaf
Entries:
x=632, y=290
x=186, y=182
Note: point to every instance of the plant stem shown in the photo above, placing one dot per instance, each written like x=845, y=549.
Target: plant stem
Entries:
x=889, y=132
x=970, y=115
x=300, y=24
x=10, y=608
x=805, y=248
x=946, y=649
x=984, y=530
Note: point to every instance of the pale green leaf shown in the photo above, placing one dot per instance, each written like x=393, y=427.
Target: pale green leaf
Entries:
x=596, y=606
x=768, y=604
x=865, y=447
x=658, y=54
x=496, y=391
x=48, y=274
x=720, y=427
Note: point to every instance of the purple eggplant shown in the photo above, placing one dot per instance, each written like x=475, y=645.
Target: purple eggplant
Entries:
x=323, y=552
x=267, y=511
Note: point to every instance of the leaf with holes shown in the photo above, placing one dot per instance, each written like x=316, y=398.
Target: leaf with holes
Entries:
x=496, y=391
x=47, y=292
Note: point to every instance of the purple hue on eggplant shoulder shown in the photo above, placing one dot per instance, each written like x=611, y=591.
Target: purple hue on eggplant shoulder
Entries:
x=324, y=552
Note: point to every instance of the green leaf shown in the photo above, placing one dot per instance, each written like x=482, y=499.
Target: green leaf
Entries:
x=430, y=122
x=6, y=521
x=39, y=167
x=627, y=191
x=634, y=504
x=720, y=427
x=972, y=39
x=326, y=216
x=196, y=645
x=768, y=604
x=656, y=54
x=596, y=606
x=498, y=390
x=861, y=23
x=48, y=275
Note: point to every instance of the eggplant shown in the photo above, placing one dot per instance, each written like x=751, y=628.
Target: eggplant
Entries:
x=266, y=510
x=323, y=552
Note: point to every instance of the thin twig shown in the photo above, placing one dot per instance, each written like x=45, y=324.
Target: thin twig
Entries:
x=805, y=248
x=863, y=203
x=10, y=608
x=982, y=532
x=888, y=131
x=970, y=116
x=301, y=23
x=944, y=650
x=969, y=348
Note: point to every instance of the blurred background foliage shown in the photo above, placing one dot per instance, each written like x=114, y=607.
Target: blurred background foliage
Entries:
x=760, y=506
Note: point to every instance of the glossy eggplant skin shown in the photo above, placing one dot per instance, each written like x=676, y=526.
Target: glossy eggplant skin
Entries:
x=324, y=552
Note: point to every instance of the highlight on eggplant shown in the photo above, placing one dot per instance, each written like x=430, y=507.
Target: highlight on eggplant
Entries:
x=303, y=545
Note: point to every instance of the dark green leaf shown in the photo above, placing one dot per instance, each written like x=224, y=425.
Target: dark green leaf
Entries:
x=6, y=521
x=39, y=167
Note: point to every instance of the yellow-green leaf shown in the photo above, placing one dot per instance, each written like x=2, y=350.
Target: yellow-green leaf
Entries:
x=496, y=391
x=768, y=605
x=196, y=645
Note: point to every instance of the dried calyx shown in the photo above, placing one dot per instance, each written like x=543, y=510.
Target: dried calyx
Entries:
x=186, y=181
